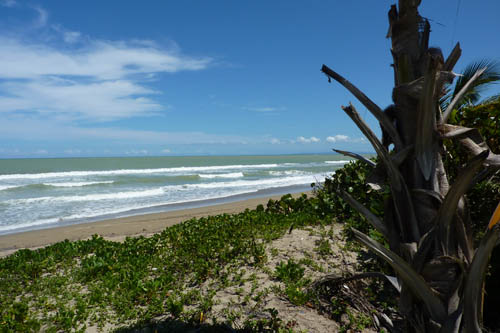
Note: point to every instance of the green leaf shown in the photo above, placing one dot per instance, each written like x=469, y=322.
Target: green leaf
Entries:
x=474, y=284
x=410, y=277
x=464, y=181
x=489, y=76
x=458, y=96
x=372, y=218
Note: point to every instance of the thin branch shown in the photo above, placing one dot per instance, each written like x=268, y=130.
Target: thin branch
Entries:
x=356, y=156
x=372, y=218
x=456, y=132
x=377, y=145
x=335, y=279
x=379, y=174
x=461, y=133
x=493, y=160
x=471, y=139
x=397, y=158
x=473, y=148
x=368, y=103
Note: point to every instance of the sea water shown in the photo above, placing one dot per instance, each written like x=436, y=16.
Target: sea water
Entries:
x=42, y=193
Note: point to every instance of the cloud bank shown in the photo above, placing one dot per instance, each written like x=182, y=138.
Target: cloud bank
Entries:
x=312, y=139
x=97, y=81
x=338, y=138
x=64, y=85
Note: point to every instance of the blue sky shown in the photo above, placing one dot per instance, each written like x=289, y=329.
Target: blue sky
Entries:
x=130, y=78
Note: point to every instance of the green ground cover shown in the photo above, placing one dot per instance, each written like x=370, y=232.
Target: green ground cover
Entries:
x=70, y=286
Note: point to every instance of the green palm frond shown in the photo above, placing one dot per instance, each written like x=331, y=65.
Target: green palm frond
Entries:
x=490, y=76
x=490, y=99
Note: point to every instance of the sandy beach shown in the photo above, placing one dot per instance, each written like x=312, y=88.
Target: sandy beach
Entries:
x=120, y=228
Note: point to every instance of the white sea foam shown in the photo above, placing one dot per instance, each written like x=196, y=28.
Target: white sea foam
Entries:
x=6, y=187
x=288, y=173
x=257, y=184
x=107, y=211
x=78, y=184
x=92, y=197
x=58, y=184
x=27, y=225
x=135, y=171
x=94, y=213
x=22, y=209
x=338, y=162
x=222, y=175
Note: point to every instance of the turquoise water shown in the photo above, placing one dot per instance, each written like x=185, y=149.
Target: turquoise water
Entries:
x=40, y=193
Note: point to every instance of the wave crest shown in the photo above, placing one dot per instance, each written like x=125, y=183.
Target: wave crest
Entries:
x=135, y=171
x=222, y=175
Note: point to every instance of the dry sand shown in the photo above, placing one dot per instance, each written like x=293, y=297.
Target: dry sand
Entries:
x=120, y=228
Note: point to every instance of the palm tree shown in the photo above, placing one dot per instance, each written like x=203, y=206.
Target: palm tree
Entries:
x=426, y=223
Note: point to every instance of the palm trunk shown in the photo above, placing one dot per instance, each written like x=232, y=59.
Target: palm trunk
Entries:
x=426, y=221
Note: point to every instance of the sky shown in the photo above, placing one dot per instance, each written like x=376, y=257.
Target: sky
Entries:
x=162, y=78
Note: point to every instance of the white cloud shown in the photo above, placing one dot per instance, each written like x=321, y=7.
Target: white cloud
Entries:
x=71, y=36
x=67, y=36
x=96, y=101
x=166, y=151
x=337, y=138
x=137, y=152
x=275, y=141
x=9, y=151
x=95, y=80
x=30, y=128
x=312, y=139
x=43, y=17
x=60, y=88
x=8, y=3
x=360, y=140
x=41, y=152
x=103, y=60
x=72, y=151
x=264, y=109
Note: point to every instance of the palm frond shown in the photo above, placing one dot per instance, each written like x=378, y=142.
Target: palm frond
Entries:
x=490, y=99
x=490, y=76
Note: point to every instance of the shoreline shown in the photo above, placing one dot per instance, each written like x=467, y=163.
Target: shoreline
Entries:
x=162, y=208
x=118, y=228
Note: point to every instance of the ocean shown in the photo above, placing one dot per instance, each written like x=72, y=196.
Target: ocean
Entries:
x=43, y=193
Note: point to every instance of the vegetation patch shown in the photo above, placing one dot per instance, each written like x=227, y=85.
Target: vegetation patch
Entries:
x=71, y=286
